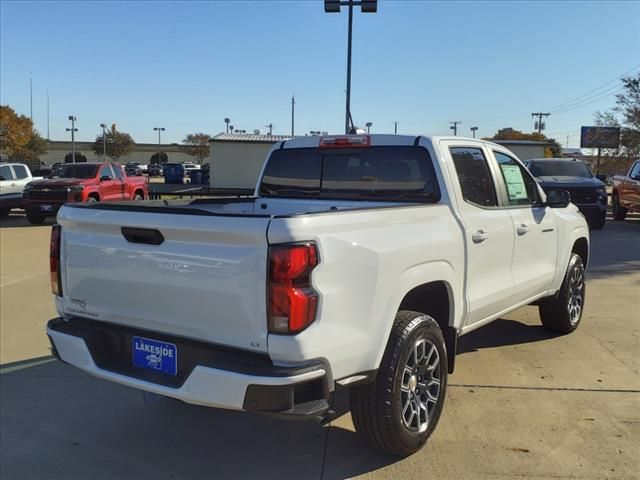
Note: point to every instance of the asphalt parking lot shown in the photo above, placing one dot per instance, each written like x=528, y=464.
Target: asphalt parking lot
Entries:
x=522, y=403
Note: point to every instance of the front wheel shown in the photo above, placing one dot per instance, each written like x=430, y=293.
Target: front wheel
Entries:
x=400, y=410
x=35, y=219
x=562, y=313
x=619, y=212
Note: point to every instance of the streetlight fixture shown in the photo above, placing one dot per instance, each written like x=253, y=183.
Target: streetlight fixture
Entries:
x=159, y=129
x=366, y=6
x=315, y=132
x=368, y=125
x=473, y=130
x=73, y=131
x=227, y=121
x=104, y=141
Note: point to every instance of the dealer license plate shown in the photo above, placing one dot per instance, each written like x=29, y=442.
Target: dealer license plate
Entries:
x=155, y=355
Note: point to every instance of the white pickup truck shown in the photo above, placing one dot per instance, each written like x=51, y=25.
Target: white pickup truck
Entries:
x=358, y=263
x=13, y=178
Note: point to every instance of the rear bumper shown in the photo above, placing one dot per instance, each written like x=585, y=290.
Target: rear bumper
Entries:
x=208, y=375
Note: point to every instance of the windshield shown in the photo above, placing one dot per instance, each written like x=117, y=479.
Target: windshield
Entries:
x=374, y=173
x=550, y=168
x=75, y=171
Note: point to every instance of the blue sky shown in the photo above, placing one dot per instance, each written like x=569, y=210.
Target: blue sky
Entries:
x=187, y=65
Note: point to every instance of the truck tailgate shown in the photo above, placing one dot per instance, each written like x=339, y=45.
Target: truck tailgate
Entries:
x=205, y=281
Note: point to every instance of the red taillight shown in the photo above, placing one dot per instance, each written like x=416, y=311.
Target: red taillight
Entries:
x=292, y=302
x=341, y=142
x=54, y=260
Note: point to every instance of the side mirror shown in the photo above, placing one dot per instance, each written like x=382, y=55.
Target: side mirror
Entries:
x=106, y=178
x=558, y=198
x=602, y=178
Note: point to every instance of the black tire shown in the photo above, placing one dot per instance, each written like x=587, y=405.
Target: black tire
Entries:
x=377, y=408
x=137, y=197
x=619, y=212
x=4, y=212
x=35, y=219
x=598, y=223
x=563, y=312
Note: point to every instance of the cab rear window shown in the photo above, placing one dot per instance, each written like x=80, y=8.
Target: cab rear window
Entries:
x=393, y=173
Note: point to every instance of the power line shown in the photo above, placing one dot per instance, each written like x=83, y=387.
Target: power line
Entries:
x=575, y=107
x=602, y=94
x=561, y=105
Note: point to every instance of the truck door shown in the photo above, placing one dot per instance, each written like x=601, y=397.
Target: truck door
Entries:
x=632, y=188
x=109, y=186
x=8, y=184
x=535, y=248
x=488, y=232
x=120, y=192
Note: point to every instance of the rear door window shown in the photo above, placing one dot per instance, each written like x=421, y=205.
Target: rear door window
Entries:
x=21, y=172
x=474, y=176
x=394, y=173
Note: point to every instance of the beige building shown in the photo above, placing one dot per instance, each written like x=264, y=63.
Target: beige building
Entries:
x=237, y=158
x=525, y=149
x=56, y=151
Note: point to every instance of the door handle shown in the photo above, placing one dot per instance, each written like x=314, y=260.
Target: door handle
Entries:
x=522, y=229
x=479, y=236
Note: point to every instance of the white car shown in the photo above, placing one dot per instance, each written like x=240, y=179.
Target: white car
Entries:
x=358, y=264
x=13, y=178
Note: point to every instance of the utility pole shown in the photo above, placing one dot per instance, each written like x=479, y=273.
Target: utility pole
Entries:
x=293, y=115
x=567, y=140
x=104, y=141
x=395, y=128
x=31, y=98
x=159, y=130
x=473, y=131
x=333, y=6
x=454, y=127
x=73, y=131
x=539, y=124
x=48, y=137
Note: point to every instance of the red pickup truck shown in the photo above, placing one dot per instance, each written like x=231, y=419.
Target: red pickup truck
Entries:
x=625, y=195
x=80, y=182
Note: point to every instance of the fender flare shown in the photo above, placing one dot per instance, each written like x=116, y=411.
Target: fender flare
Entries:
x=429, y=272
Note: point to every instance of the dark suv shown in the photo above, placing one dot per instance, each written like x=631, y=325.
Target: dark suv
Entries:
x=588, y=193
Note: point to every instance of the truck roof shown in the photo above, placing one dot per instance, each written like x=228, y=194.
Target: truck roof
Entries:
x=378, y=139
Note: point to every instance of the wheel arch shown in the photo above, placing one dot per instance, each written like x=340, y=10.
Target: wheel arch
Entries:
x=430, y=288
x=93, y=194
x=581, y=247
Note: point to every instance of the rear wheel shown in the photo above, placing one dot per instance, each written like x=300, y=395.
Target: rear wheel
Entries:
x=562, y=313
x=92, y=199
x=399, y=411
x=35, y=219
x=137, y=197
x=619, y=212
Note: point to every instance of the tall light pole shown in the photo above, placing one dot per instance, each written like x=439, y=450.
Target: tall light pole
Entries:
x=31, y=98
x=73, y=131
x=227, y=121
x=368, y=125
x=473, y=131
x=159, y=129
x=395, y=128
x=454, y=127
x=293, y=115
x=333, y=6
x=104, y=141
x=48, y=137
x=270, y=127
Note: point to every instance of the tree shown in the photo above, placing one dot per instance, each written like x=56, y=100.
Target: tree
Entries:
x=197, y=145
x=80, y=158
x=626, y=115
x=119, y=144
x=159, y=158
x=555, y=150
x=18, y=139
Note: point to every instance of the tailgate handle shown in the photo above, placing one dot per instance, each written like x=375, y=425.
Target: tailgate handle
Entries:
x=147, y=236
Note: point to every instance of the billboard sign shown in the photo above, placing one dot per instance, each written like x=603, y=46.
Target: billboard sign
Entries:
x=599, y=137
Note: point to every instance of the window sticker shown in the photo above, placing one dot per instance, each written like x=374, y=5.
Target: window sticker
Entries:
x=515, y=183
